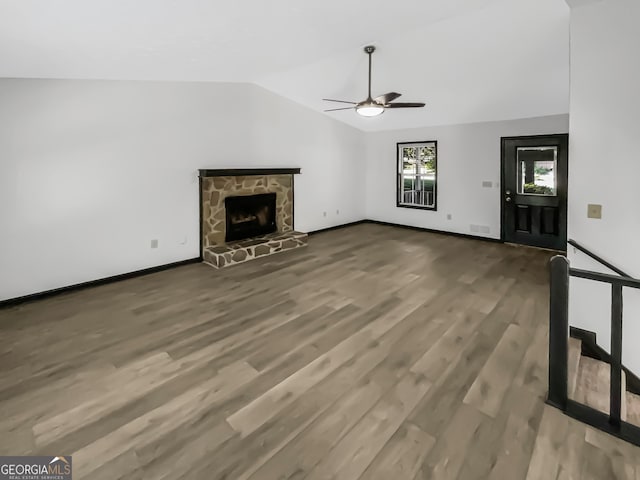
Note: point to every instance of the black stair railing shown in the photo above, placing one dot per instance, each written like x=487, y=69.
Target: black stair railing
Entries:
x=597, y=258
x=560, y=274
x=558, y=332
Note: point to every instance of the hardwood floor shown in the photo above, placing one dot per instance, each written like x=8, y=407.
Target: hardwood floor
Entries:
x=374, y=353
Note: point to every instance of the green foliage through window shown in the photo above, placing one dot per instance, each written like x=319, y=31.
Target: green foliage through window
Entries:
x=537, y=189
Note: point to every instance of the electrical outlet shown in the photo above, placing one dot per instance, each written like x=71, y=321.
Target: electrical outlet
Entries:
x=449, y=216
x=324, y=214
x=154, y=243
x=594, y=211
x=337, y=212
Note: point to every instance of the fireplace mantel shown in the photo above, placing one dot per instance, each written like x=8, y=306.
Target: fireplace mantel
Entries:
x=231, y=172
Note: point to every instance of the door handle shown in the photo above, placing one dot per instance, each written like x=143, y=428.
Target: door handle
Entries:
x=508, y=199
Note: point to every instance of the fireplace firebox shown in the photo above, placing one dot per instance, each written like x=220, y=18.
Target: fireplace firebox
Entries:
x=250, y=216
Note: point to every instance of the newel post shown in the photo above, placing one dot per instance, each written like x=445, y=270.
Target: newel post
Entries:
x=558, y=331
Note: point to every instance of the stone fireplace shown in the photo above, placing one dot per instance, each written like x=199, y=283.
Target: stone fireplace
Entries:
x=246, y=213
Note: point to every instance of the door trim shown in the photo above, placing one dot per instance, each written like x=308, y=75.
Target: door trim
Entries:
x=503, y=140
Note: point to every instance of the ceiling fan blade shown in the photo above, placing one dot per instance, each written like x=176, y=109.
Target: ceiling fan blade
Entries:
x=387, y=97
x=335, y=109
x=404, y=105
x=339, y=101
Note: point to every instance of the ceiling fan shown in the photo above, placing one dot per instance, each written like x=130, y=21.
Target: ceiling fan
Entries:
x=374, y=106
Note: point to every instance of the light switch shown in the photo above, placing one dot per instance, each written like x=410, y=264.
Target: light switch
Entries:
x=594, y=211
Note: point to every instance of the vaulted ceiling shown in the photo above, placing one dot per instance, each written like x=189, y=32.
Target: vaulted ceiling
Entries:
x=469, y=60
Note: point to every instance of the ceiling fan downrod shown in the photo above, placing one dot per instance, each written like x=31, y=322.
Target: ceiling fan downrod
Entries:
x=369, y=49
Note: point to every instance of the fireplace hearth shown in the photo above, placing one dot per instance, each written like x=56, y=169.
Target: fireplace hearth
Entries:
x=250, y=216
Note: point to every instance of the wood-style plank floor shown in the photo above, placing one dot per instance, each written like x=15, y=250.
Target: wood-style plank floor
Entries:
x=374, y=353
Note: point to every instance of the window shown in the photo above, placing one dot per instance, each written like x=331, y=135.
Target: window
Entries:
x=417, y=175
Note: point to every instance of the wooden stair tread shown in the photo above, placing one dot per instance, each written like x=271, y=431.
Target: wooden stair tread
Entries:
x=633, y=408
x=592, y=386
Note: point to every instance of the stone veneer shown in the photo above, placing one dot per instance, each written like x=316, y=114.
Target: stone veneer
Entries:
x=216, y=189
x=243, y=250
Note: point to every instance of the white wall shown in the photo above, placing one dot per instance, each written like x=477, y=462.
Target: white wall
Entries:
x=91, y=171
x=467, y=155
x=332, y=158
x=604, y=163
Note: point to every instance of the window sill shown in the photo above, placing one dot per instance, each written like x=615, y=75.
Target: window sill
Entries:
x=417, y=207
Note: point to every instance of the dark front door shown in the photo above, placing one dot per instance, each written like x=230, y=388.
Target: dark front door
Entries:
x=534, y=190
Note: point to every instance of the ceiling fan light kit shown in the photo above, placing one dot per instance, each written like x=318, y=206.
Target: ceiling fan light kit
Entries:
x=369, y=109
x=372, y=107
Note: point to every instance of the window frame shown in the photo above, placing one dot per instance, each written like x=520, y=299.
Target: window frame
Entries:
x=399, y=175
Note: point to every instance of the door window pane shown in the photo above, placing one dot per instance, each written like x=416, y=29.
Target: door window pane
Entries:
x=537, y=170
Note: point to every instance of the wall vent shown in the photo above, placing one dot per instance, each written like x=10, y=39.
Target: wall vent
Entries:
x=480, y=229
